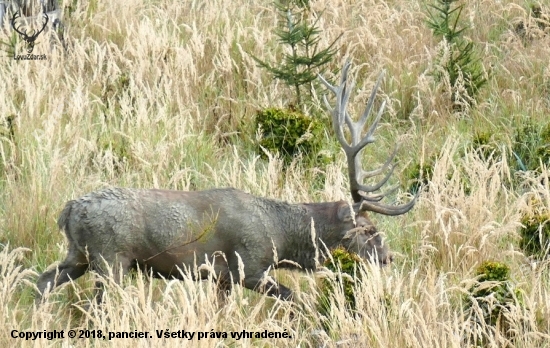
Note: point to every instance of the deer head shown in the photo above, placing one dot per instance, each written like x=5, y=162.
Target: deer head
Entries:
x=29, y=39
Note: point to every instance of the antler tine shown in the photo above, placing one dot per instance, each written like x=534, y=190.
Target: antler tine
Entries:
x=377, y=186
x=362, y=174
x=378, y=197
x=328, y=85
x=368, y=138
x=368, y=108
x=359, y=191
x=339, y=113
x=389, y=162
x=342, y=93
x=45, y=16
x=358, y=174
x=386, y=209
x=13, y=18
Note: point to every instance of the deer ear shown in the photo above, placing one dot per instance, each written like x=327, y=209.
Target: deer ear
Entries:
x=344, y=212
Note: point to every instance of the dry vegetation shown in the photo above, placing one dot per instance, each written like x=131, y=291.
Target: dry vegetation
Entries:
x=153, y=93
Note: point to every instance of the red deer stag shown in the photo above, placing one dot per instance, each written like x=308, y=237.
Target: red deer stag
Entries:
x=161, y=231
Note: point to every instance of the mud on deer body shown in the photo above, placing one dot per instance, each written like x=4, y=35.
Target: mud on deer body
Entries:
x=163, y=230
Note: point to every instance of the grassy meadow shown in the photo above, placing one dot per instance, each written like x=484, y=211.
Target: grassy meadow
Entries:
x=163, y=94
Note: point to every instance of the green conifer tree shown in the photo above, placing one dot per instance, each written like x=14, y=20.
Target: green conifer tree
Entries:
x=302, y=59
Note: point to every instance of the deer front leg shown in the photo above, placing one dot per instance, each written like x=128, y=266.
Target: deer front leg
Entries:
x=259, y=282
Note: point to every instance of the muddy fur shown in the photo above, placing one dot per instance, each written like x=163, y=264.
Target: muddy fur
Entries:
x=162, y=230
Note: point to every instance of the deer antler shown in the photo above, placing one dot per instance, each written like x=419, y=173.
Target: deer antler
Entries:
x=13, y=18
x=360, y=192
x=30, y=39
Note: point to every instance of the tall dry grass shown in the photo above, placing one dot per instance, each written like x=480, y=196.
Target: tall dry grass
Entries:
x=162, y=94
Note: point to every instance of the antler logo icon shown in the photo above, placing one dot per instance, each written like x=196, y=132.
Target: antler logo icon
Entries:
x=30, y=39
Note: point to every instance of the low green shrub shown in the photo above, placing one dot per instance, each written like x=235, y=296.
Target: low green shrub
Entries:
x=495, y=294
x=482, y=143
x=345, y=262
x=288, y=132
x=419, y=174
x=344, y=265
x=113, y=91
x=535, y=26
x=531, y=147
x=8, y=142
x=114, y=151
x=535, y=234
x=7, y=127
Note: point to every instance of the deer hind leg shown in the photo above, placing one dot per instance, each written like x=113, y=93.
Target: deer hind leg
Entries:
x=119, y=265
x=74, y=266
